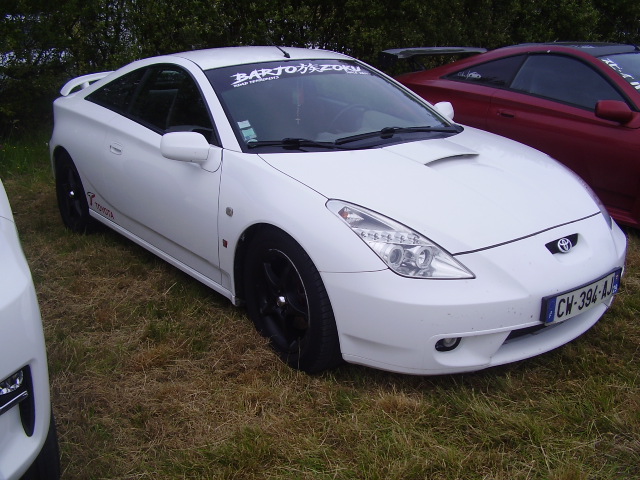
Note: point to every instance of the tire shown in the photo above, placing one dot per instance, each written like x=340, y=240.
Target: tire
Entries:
x=288, y=304
x=47, y=463
x=72, y=200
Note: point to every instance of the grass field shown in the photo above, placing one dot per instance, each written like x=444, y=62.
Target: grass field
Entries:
x=154, y=376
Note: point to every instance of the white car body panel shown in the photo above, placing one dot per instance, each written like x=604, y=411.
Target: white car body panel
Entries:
x=490, y=202
x=222, y=57
x=393, y=323
x=23, y=345
x=485, y=195
x=157, y=199
x=256, y=193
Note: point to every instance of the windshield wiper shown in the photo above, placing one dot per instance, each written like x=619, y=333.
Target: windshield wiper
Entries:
x=292, y=143
x=389, y=132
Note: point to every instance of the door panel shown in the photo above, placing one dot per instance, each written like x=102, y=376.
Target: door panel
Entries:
x=170, y=204
x=601, y=152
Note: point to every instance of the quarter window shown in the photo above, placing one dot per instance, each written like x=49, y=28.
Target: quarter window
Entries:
x=497, y=73
x=117, y=95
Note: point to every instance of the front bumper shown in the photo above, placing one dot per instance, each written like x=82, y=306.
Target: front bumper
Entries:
x=25, y=417
x=394, y=323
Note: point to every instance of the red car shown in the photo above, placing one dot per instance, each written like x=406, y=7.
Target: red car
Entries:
x=578, y=102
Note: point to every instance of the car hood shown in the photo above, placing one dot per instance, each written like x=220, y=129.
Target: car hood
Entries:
x=467, y=192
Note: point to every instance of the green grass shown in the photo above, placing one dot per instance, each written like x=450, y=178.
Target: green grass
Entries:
x=155, y=376
x=26, y=157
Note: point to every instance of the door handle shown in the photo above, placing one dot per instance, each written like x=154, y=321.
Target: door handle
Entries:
x=115, y=148
x=506, y=114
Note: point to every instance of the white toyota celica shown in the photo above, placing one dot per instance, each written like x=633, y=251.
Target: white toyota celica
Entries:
x=355, y=221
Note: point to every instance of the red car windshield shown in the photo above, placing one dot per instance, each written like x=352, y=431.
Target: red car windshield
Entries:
x=627, y=65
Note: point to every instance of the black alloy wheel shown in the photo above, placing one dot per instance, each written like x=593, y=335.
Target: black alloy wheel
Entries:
x=288, y=303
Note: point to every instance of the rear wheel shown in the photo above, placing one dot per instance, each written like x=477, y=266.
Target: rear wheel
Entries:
x=72, y=201
x=287, y=302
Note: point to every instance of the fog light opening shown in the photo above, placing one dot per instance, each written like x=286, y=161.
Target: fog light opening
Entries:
x=447, y=344
x=12, y=383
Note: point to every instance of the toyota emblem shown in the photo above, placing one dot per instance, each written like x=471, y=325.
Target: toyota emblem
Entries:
x=564, y=245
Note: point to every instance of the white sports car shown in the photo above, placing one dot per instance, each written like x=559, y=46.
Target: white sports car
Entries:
x=354, y=220
x=28, y=441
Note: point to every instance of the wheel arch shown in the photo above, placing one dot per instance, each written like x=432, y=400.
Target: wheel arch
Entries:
x=56, y=154
x=241, y=253
x=289, y=305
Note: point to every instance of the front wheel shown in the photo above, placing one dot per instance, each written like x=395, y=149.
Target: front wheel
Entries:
x=288, y=304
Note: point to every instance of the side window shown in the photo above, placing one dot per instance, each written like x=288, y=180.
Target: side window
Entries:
x=564, y=79
x=117, y=95
x=497, y=73
x=170, y=100
x=189, y=111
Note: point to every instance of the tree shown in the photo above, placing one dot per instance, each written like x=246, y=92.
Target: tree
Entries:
x=43, y=44
x=619, y=20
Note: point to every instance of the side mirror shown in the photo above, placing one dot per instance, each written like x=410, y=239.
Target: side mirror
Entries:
x=185, y=147
x=445, y=109
x=191, y=147
x=615, y=111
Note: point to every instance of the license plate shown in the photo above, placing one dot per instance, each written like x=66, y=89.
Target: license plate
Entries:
x=558, y=308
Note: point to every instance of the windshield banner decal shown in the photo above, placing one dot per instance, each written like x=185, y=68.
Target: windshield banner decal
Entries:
x=266, y=74
x=629, y=78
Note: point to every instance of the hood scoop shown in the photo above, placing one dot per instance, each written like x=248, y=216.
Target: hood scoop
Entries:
x=430, y=152
x=453, y=157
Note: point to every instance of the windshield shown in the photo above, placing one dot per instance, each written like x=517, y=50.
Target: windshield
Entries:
x=627, y=65
x=325, y=103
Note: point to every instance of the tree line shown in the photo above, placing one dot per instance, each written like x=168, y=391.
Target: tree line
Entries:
x=44, y=43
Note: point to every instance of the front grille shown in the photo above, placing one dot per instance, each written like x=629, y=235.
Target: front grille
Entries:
x=524, y=331
x=570, y=242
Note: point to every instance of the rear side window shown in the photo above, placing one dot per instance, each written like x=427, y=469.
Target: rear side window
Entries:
x=564, y=79
x=164, y=98
x=497, y=73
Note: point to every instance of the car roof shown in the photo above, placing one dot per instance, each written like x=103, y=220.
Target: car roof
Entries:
x=596, y=49
x=227, y=56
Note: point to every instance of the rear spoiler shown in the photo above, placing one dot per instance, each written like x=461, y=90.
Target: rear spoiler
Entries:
x=390, y=57
x=83, y=82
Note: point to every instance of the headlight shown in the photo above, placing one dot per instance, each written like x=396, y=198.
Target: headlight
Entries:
x=405, y=251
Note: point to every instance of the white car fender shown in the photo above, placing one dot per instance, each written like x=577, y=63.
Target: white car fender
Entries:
x=252, y=192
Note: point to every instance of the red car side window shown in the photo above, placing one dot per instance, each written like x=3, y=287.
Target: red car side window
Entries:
x=564, y=79
x=497, y=73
